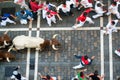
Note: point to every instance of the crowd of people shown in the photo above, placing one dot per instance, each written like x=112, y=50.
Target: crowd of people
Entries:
x=50, y=12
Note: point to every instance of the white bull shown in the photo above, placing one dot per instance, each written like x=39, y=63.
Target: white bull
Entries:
x=22, y=41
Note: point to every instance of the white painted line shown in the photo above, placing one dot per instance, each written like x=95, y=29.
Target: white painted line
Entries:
x=52, y=29
x=110, y=52
x=28, y=55
x=110, y=57
x=102, y=47
x=37, y=52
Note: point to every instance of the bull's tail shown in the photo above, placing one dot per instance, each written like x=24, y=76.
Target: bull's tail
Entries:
x=6, y=31
x=11, y=47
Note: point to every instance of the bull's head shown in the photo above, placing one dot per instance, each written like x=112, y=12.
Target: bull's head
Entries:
x=5, y=40
x=55, y=42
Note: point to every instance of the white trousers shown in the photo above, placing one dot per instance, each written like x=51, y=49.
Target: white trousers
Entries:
x=82, y=23
x=24, y=21
x=117, y=14
x=50, y=20
x=109, y=31
x=97, y=15
x=4, y=22
x=44, y=14
x=78, y=66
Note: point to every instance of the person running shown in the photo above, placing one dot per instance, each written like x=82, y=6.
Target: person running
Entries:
x=6, y=19
x=111, y=27
x=16, y=75
x=22, y=4
x=99, y=9
x=95, y=76
x=84, y=60
x=23, y=15
x=113, y=9
x=82, y=19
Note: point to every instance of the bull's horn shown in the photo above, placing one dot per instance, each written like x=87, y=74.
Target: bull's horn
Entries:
x=6, y=43
x=53, y=46
x=54, y=36
x=6, y=32
x=8, y=59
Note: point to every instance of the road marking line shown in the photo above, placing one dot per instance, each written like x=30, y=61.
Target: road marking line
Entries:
x=28, y=55
x=110, y=51
x=52, y=29
x=37, y=51
x=102, y=46
x=110, y=57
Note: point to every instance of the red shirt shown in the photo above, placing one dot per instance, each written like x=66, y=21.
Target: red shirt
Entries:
x=88, y=10
x=52, y=13
x=86, y=62
x=34, y=6
x=81, y=18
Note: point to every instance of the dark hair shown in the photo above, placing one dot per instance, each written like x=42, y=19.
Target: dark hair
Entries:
x=47, y=2
x=75, y=79
x=48, y=76
x=96, y=73
x=32, y=0
x=22, y=11
x=99, y=5
x=64, y=3
x=85, y=14
x=81, y=74
x=112, y=22
x=48, y=13
x=114, y=3
x=86, y=57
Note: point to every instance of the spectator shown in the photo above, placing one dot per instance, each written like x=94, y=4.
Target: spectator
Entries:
x=64, y=9
x=47, y=77
x=95, y=76
x=83, y=18
x=98, y=9
x=16, y=75
x=84, y=60
x=22, y=4
x=6, y=19
x=111, y=27
x=113, y=9
x=23, y=15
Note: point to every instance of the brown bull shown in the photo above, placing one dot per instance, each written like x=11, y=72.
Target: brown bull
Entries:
x=4, y=40
x=6, y=55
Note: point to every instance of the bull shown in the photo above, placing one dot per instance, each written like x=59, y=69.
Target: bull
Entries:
x=22, y=41
x=6, y=55
x=5, y=40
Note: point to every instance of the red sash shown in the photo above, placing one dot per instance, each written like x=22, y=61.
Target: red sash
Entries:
x=86, y=62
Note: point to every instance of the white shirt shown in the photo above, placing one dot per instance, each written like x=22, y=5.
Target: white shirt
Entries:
x=111, y=26
x=64, y=9
x=99, y=9
x=114, y=9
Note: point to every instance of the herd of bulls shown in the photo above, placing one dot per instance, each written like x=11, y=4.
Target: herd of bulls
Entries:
x=21, y=42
